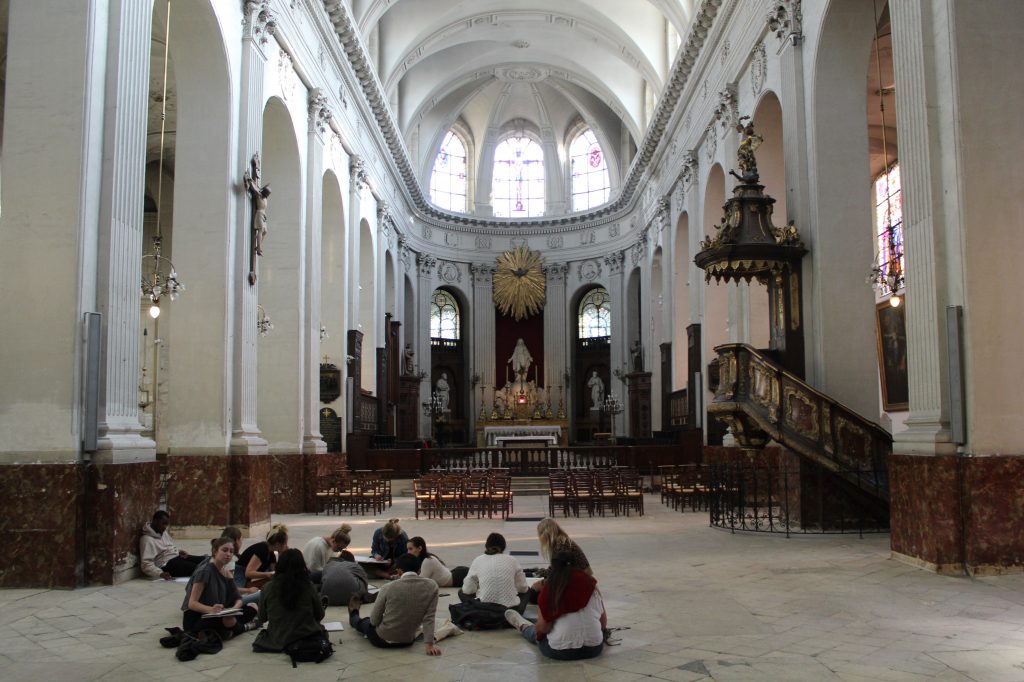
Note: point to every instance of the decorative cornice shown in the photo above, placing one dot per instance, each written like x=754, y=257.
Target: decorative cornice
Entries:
x=319, y=114
x=348, y=35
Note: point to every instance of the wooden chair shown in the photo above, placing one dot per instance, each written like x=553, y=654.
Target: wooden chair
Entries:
x=631, y=488
x=474, y=495
x=499, y=495
x=606, y=492
x=424, y=493
x=582, y=492
x=449, y=496
x=559, y=493
x=326, y=494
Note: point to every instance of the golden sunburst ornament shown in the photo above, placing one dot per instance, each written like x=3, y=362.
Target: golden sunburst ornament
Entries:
x=519, y=283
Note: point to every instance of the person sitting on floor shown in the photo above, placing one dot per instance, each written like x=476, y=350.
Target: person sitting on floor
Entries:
x=388, y=544
x=319, y=550
x=290, y=605
x=495, y=577
x=432, y=567
x=342, y=578
x=552, y=541
x=572, y=616
x=401, y=608
x=256, y=564
x=211, y=590
x=250, y=595
x=158, y=556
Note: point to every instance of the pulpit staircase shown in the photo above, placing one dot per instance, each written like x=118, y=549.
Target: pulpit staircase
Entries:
x=761, y=401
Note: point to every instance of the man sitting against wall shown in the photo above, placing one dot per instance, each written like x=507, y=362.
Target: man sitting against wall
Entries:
x=158, y=556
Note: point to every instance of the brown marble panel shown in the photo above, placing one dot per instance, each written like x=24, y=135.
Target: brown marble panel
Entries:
x=199, y=490
x=287, y=484
x=315, y=466
x=924, y=510
x=42, y=508
x=250, y=489
x=121, y=497
x=995, y=513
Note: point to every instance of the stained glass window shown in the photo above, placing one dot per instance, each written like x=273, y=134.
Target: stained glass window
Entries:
x=518, y=187
x=444, y=316
x=590, y=184
x=889, y=228
x=595, y=315
x=448, y=179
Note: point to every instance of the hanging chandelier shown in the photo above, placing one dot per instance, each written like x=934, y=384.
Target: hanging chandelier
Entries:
x=159, y=277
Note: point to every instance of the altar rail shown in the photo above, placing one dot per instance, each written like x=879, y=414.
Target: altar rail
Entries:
x=528, y=461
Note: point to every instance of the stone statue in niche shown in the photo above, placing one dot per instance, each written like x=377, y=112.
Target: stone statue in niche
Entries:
x=259, y=195
x=521, y=359
x=442, y=390
x=596, y=386
x=409, y=365
x=636, y=354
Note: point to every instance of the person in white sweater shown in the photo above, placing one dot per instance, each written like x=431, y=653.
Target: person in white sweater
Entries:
x=432, y=567
x=158, y=557
x=496, y=578
x=321, y=548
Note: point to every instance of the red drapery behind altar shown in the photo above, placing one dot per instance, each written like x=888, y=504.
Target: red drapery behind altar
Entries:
x=506, y=332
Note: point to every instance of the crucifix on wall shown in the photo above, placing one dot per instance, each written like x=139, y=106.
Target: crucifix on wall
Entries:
x=260, y=197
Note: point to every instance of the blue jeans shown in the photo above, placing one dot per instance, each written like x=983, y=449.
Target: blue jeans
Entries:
x=529, y=633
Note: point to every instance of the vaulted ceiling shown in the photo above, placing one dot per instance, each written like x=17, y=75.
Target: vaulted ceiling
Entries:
x=499, y=65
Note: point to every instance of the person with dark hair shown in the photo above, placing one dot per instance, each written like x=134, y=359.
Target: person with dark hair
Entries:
x=431, y=565
x=250, y=595
x=342, y=577
x=256, y=564
x=572, y=616
x=496, y=578
x=401, y=608
x=290, y=605
x=158, y=557
x=211, y=590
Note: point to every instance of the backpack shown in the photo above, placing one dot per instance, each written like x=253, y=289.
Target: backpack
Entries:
x=478, y=615
x=202, y=642
x=312, y=648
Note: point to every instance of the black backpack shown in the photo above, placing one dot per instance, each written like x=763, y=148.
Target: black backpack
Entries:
x=478, y=615
x=312, y=648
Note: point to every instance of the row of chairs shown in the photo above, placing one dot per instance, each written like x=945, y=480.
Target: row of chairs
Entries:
x=684, y=484
x=464, y=494
x=596, y=491
x=357, y=492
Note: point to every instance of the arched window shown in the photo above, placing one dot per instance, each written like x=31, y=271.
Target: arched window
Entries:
x=444, y=316
x=518, y=187
x=595, y=315
x=448, y=179
x=889, y=230
x=590, y=184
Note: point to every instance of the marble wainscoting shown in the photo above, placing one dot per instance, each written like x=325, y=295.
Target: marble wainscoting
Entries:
x=42, y=509
x=932, y=529
x=287, y=484
x=316, y=466
x=207, y=492
x=120, y=498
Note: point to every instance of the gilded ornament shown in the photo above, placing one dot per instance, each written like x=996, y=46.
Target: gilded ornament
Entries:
x=519, y=283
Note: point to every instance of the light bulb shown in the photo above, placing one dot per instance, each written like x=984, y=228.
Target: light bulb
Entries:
x=895, y=301
x=154, y=311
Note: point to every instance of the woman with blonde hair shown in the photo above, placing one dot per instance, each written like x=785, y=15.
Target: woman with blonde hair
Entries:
x=318, y=550
x=554, y=540
x=389, y=543
x=256, y=564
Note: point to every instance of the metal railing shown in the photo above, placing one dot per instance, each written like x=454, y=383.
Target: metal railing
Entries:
x=795, y=498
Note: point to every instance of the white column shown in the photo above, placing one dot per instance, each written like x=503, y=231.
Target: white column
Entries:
x=245, y=435
x=556, y=329
x=426, y=267
x=617, y=355
x=925, y=188
x=119, y=267
x=319, y=117
x=484, y=360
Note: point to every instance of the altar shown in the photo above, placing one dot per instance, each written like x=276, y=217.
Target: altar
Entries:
x=551, y=432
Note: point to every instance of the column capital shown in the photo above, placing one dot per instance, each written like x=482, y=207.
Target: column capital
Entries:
x=785, y=19
x=319, y=114
x=555, y=272
x=259, y=22
x=426, y=264
x=615, y=261
x=357, y=171
x=483, y=274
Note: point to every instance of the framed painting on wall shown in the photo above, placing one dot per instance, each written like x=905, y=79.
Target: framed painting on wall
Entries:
x=891, y=327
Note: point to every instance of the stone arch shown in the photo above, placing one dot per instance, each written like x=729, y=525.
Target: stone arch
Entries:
x=367, y=298
x=659, y=311
x=333, y=285
x=715, y=323
x=586, y=358
x=682, y=267
x=279, y=387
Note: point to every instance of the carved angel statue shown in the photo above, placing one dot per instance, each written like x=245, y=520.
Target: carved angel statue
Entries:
x=749, y=142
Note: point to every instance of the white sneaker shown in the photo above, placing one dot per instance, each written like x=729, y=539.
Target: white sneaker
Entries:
x=516, y=620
